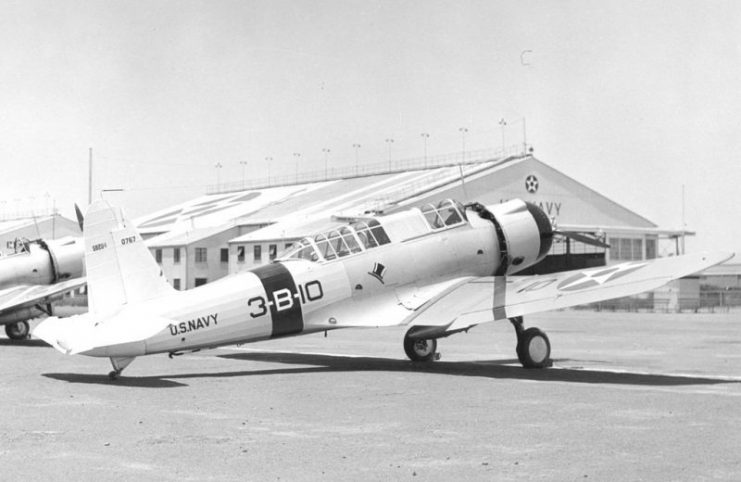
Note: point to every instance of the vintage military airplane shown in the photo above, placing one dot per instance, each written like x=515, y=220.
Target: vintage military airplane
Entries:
x=437, y=269
x=38, y=272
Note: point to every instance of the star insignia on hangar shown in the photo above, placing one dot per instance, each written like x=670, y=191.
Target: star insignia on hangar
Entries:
x=592, y=278
x=531, y=184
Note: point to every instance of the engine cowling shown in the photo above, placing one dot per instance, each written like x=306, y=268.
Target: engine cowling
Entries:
x=524, y=234
x=67, y=258
x=44, y=262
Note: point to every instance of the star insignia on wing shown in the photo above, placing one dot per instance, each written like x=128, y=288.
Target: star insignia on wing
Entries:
x=597, y=277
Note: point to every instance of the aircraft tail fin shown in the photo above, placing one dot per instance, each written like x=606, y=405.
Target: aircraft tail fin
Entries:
x=120, y=269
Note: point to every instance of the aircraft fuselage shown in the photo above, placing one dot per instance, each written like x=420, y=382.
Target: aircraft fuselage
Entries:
x=296, y=296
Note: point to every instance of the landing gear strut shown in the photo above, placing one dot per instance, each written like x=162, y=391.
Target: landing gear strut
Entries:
x=17, y=331
x=533, y=346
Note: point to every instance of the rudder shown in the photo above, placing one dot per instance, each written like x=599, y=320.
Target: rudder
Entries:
x=120, y=269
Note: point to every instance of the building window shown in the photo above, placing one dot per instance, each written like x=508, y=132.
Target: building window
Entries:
x=626, y=249
x=176, y=255
x=272, y=251
x=258, y=253
x=650, y=249
x=224, y=255
x=288, y=245
x=158, y=255
x=176, y=283
x=201, y=255
x=200, y=281
x=240, y=254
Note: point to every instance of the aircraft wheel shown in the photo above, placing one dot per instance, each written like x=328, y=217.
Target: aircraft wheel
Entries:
x=113, y=375
x=534, y=349
x=420, y=350
x=17, y=331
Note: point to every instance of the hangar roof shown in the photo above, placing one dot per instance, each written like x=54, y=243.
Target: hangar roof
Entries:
x=10, y=225
x=297, y=210
x=182, y=238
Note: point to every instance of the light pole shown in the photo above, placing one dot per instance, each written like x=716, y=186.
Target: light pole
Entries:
x=218, y=167
x=297, y=155
x=502, y=123
x=269, y=160
x=244, y=165
x=356, y=147
x=326, y=152
x=425, y=136
x=463, y=131
x=389, y=141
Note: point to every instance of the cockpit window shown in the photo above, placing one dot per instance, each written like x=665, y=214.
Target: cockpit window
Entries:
x=324, y=247
x=378, y=232
x=432, y=217
x=446, y=213
x=338, y=244
x=350, y=240
x=304, y=249
x=341, y=242
x=449, y=213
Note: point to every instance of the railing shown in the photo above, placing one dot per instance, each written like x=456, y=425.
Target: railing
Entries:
x=710, y=301
x=8, y=215
x=403, y=165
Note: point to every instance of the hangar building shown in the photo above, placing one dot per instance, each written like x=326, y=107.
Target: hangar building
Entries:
x=239, y=226
x=45, y=227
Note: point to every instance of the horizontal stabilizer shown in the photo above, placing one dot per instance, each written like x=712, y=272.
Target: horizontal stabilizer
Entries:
x=88, y=334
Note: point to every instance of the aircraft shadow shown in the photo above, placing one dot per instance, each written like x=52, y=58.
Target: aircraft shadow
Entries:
x=317, y=363
x=27, y=342
x=123, y=381
x=496, y=369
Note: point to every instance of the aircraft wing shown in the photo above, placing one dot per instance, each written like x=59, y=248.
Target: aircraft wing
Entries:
x=480, y=300
x=23, y=296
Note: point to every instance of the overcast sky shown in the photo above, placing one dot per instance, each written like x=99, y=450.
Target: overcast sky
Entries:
x=634, y=99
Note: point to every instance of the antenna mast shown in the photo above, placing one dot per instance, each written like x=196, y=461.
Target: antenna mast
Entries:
x=90, y=177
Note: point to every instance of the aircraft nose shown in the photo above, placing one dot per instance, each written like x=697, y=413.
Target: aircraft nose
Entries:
x=544, y=227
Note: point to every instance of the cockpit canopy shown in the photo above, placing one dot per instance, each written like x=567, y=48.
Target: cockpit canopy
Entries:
x=341, y=242
x=369, y=233
x=447, y=213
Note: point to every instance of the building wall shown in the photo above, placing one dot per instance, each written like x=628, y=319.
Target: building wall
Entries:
x=239, y=263
x=722, y=281
x=191, y=267
x=175, y=272
x=677, y=295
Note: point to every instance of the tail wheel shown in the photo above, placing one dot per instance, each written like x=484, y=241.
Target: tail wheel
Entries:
x=534, y=349
x=17, y=331
x=420, y=350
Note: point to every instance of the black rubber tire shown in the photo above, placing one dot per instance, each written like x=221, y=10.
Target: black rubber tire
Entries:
x=17, y=331
x=534, y=349
x=420, y=350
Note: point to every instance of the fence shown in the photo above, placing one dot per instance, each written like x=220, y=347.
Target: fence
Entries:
x=403, y=165
x=709, y=301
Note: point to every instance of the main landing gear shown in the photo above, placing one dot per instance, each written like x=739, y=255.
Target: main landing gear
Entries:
x=17, y=331
x=420, y=350
x=533, y=346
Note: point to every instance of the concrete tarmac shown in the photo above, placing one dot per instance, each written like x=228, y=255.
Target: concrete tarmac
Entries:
x=631, y=396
